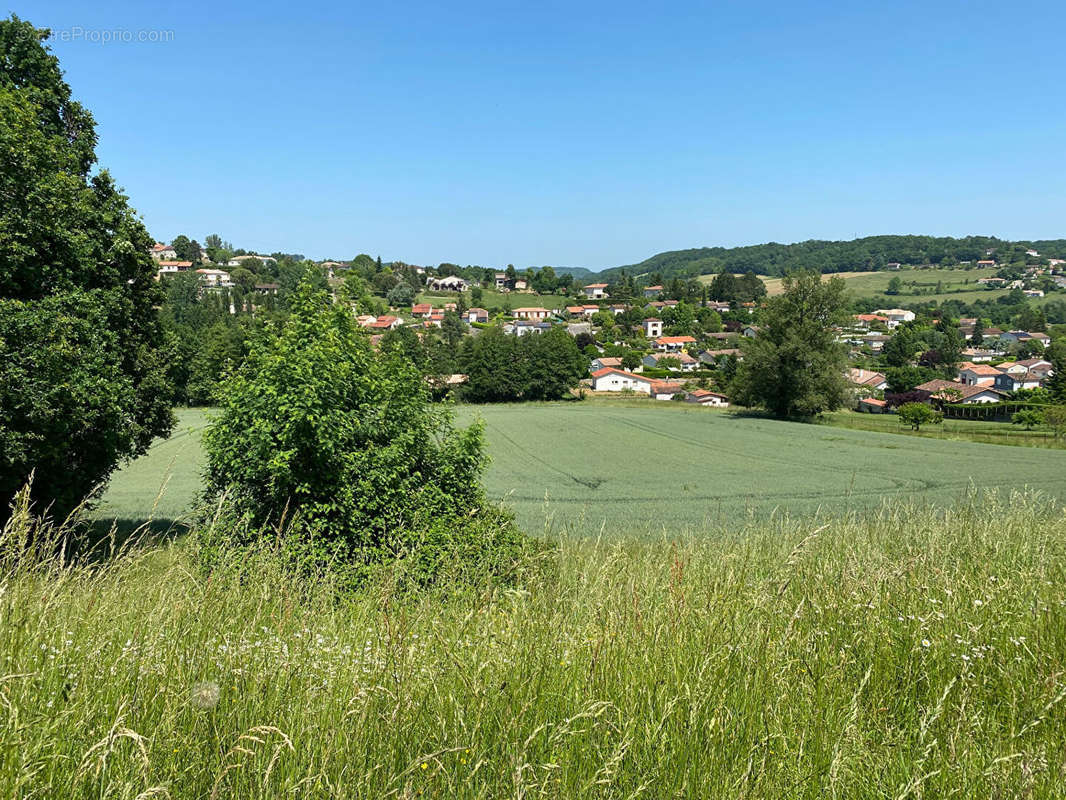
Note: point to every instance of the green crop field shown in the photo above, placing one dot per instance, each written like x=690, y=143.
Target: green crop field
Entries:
x=645, y=468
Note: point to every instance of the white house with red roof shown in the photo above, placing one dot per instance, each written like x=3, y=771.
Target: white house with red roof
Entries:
x=163, y=252
x=421, y=310
x=533, y=312
x=612, y=379
x=978, y=374
x=595, y=291
x=705, y=397
x=688, y=363
x=673, y=343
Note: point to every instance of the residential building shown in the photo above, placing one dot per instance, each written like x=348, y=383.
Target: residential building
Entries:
x=267, y=288
x=651, y=292
x=480, y=315
x=751, y=331
x=383, y=323
x=865, y=321
x=451, y=283
x=673, y=343
x=666, y=390
x=595, y=291
x=895, y=316
x=955, y=392
x=603, y=362
x=172, y=267
x=214, y=278
x=977, y=374
x=705, y=397
x=421, y=310
x=611, y=379
x=533, y=313
x=163, y=252
x=653, y=327
x=1013, y=381
x=687, y=362
x=871, y=405
x=868, y=379
x=238, y=261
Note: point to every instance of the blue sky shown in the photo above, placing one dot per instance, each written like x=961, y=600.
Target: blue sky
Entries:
x=590, y=134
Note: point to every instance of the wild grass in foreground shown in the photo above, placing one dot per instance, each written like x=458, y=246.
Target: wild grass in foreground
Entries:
x=911, y=653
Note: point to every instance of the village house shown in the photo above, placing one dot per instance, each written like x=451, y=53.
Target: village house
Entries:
x=751, y=331
x=705, y=397
x=238, y=261
x=665, y=390
x=986, y=263
x=523, y=326
x=480, y=315
x=532, y=313
x=215, y=278
x=383, y=323
x=163, y=252
x=718, y=305
x=173, y=267
x=673, y=343
x=875, y=341
x=421, y=310
x=653, y=327
x=977, y=374
x=688, y=363
x=603, y=362
x=714, y=357
x=612, y=379
x=1013, y=381
x=976, y=355
x=871, y=405
x=1017, y=337
x=595, y=291
x=955, y=392
x=893, y=265
x=895, y=316
x=267, y=288
x=651, y=292
x=865, y=321
x=868, y=379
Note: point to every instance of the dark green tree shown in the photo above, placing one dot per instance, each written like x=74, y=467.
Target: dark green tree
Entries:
x=82, y=377
x=795, y=366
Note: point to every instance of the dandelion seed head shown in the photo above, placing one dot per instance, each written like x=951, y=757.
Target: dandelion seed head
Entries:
x=205, y=695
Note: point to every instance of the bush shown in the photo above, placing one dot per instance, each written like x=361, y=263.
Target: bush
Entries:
x=335, y=451
x=917, y=414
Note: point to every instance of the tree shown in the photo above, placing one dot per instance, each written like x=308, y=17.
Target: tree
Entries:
x=631, y=359
x=917, y=414
x=400, y=295
x=335, y=450
x=895, y=285
x=900, y=348
x=476, y=296
x=244, y=279
x=553, y=365
x=1028, y=417
x=186, y=249
x=82, y=376
x=1056, y=382
x=795, y=366
x=1055, y=418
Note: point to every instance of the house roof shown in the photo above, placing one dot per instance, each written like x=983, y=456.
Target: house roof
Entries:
x=656, y=288
x=667, y=387
x=979, y=369
x=421, y=308
x=159, y=247
x=707, y=393
x=180, y=264
x=682, y=357
x=675, y=340
x=530, y=309
x=873, y=401
x=575, y=309
x=595, y=285
x=476, y=311
x=865, y=377
x=1033, y=362
x=609, y=361
x=935, y=387
x=870, y=317
x=652, y=319
x=607, y=370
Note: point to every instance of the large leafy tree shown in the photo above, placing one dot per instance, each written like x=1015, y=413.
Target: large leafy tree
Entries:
x=82, y=383
x=795, y=366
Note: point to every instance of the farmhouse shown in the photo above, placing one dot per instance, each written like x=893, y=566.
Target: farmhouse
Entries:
x=610, y=379
x=952, y=392
x=871, y=405
x=383, y=323
x=595, y=291
x=705, y=397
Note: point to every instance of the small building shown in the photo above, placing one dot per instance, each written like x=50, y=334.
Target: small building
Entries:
x=215, y=278
x=653, y=327
x=451, y=283
x=751, y=331
x=652, y=292
x=865, y=321
x=955, y=392
x=666, y=390
x=163, y=252
x=238, y=261
x=978, y=374
x=479, y=315
x=871, y=405
x=383, y=323
x=595, y=291
x=267, y=288
x=706, y=397
x=1013, y=381
x=603, y=362
x=687, y=362
x=868, y=379
x=421, y=310
x=895, y=316
x=173, y=267
x=713, y=357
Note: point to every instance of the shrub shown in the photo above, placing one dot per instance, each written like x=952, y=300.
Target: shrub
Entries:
x=917, y=414
x=336, y=452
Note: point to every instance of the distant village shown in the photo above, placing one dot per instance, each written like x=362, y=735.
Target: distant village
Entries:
x=638, y=343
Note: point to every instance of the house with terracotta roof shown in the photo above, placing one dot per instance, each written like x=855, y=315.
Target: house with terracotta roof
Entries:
x=712, y=357
x=533, y=312
x=383, y=323
x=477, y=315
x=955, y=392
x=868, y=379
x=666, y=390
x=213, y=278
x=173, y=267
x=1013, y=381
x=895, y=316
x=688, y=363
x=705, y=397
x=595, y=291
x=651, y=292
x=871, y=405
x=421, y=310
x=163, y=252
x=977, y=374
x=604, y=362
x=673, y=343
x=864, y=321
x=612, y=379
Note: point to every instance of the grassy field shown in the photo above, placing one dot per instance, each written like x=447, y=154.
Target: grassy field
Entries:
x=644, y=468
x=914, y=654
x=963, y=430
x=957, y=284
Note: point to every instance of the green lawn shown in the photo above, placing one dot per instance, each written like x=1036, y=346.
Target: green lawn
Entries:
x=630, y=468
x=958, y=429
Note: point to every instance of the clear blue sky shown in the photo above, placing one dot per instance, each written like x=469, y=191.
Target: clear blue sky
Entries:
x=575, y=134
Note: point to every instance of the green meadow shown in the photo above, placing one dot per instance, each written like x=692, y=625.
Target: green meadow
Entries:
x=630, y=468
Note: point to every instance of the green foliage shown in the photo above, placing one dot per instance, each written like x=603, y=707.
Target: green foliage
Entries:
x=504, y=368
x=1055, y=418
x=795, y=366
x=905, y=378
x=1028, y=417
x=401, y=295
x=77, y=293
x=339, y=448
x=917, y=414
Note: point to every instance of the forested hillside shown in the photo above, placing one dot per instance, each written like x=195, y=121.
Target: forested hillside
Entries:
x=869, y=253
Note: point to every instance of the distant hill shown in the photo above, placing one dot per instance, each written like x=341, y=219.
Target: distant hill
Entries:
x=579, y=273
x=869, y=253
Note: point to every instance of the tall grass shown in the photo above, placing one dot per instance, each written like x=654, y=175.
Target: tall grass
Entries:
x=908, y=653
